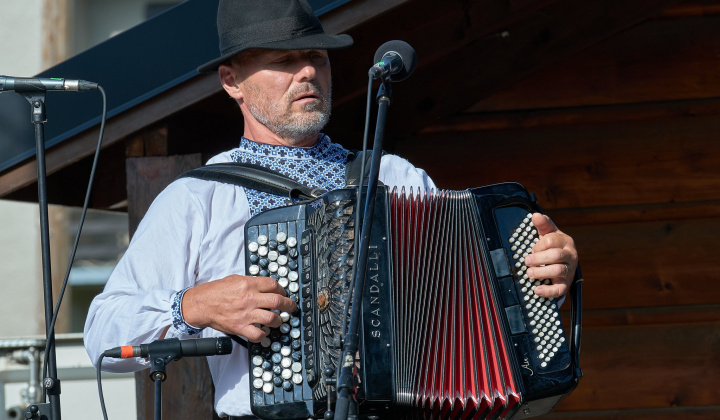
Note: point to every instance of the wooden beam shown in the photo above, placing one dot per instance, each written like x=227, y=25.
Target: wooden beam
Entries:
x=148, y=176
x=189, y=394
x=55, y=32
x=691, y=10
x=117, y=128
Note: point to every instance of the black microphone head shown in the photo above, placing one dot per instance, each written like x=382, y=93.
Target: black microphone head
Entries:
x=405, y=51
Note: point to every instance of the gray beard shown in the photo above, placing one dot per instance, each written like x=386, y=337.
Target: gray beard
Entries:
x=294, y=128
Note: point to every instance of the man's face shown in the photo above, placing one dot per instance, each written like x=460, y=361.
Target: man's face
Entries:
x=289, y=92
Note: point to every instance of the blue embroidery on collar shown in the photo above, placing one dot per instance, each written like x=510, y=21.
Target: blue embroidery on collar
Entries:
x=319, y=166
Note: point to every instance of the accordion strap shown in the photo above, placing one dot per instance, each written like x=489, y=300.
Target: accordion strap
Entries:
x=266, y=180
x=353, y=167
x=255, y=177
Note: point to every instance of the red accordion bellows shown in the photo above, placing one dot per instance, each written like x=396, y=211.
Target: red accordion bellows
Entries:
x=450, y=355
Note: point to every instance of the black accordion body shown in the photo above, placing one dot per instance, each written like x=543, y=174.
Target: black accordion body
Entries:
x=450, y=325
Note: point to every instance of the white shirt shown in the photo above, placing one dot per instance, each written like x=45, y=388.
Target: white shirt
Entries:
x=193, y=233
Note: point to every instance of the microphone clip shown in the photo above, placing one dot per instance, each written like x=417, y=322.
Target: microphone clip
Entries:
x=160, y=354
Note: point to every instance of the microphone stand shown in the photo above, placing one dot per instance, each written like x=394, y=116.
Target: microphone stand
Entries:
x=159, y=357
x=345, y=386
x=51, y=384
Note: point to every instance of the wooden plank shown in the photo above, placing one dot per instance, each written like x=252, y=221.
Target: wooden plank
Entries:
x=519, y=118
x=353, y=14
x=636, y=213
x=584, y=166
x=648, y=367
x=660, y=60
x=670, y=413
x=658, y=315
x=628, y=265
x=437, y=33
x=489, y=65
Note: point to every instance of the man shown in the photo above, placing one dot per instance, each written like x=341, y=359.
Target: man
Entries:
x=183, y=273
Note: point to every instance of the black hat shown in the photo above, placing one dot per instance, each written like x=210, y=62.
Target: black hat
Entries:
x=269, y=24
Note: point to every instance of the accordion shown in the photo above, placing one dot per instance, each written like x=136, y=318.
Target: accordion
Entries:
x=451, y=327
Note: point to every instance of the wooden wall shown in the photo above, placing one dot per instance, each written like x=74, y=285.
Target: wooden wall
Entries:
x=620, y=142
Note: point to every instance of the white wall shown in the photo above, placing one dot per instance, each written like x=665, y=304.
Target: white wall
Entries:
x=20, y=270
x=21, y=32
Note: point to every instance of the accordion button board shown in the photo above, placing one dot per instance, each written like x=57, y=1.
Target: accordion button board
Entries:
x=466, y=338
x=282, y=364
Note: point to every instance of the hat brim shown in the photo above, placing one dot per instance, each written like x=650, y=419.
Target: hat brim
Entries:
x=310, y=42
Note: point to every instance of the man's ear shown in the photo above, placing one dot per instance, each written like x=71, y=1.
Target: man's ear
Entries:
x=230, y=81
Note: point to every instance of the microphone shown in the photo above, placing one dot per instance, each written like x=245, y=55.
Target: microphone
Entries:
x=40, y=84
x=394, y=60
x=175, y=348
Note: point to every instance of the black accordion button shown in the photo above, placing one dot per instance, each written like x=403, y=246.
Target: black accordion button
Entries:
x=306, y=277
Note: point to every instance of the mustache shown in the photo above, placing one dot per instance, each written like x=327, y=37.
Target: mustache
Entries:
x=305, y=88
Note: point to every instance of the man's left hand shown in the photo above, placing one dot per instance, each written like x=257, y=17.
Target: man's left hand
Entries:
x=553, y=257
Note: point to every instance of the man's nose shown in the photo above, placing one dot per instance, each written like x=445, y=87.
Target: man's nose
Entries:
x=306, y=72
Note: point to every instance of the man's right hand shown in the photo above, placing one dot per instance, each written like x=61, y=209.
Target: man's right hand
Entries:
x=237, y=305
